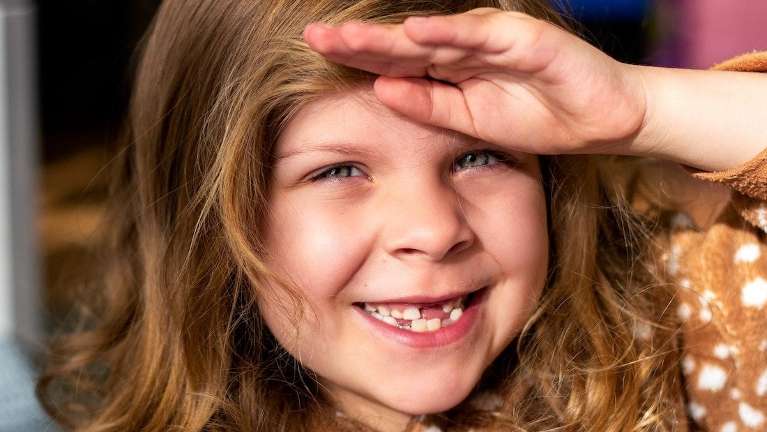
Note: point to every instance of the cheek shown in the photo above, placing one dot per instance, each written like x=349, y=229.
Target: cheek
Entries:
x=317, y=244
x=510, y=223
x=520, y=238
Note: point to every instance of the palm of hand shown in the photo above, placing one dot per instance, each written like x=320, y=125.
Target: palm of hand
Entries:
x=503, y=77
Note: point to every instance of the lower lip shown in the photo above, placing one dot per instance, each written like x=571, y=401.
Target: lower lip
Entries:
x=444, y=336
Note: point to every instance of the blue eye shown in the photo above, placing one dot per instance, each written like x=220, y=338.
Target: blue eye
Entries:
x=482, y=158
x=335, y=172
x=477, y=159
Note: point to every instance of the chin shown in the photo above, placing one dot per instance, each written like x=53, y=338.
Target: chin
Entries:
x=428, y=398
x=423, y=405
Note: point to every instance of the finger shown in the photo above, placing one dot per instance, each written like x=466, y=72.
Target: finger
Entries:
x=330, y=42
x=383, y=42
x=461, y=30
x=427, y=101
x=385, y=50
x=326, y=40
x=498, y=37
x=356, y=38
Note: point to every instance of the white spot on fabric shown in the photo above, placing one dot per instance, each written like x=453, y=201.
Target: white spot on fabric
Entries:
x=761, y=218
x=750, y=416
x=754, y=293
x=722, y=351
x=735, y=394
x=688, y=365
x=708, y=296
x=684, y=311
x=705, y=314
x=761, y=384
x=681, y=220
x=763, y=345
x=697, y=411
x=487, y=401
x=672, y=265
x=747, y=253
x=432, y=428
x=711, y=378
x=730, y=426
x=685, y=283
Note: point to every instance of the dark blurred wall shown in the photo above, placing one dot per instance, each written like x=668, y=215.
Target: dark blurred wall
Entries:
x=621, y=28
x=85, y=49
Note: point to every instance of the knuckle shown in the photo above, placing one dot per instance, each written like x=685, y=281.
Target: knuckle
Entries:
x=353, y=36
x=534, y=32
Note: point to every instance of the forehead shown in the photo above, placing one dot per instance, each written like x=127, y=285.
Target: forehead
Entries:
x=356, y=122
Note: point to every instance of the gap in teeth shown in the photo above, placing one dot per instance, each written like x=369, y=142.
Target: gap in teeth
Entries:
x=412, y=316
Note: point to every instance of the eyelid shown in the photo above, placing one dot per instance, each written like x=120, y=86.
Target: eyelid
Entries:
x=316, y=176
x=502, y=157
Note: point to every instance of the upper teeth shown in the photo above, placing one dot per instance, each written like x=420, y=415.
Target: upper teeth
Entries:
x=390, y=315
x=411, y=313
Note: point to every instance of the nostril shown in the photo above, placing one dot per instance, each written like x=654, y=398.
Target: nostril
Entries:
x=460, y=246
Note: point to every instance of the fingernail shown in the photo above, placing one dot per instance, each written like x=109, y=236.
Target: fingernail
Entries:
x=418, y=20
x=317, y=25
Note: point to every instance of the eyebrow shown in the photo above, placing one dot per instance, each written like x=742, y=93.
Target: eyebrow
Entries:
x=349, y=149
x=339, y=148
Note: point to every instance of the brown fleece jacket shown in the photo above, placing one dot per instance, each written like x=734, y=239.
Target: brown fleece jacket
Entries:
x=717, y=255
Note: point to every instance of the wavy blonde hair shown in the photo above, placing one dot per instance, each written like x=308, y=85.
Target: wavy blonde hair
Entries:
x=173, y=340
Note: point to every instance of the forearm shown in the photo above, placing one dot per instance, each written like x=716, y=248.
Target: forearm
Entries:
x=711, y=120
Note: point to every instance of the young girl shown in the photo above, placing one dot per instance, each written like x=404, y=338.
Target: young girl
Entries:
x=347, y=225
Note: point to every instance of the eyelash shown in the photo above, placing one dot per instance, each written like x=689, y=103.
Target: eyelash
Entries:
x=502, y=159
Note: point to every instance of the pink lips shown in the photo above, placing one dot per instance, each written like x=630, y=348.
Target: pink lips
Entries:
x=412, y=300
x=444, y=336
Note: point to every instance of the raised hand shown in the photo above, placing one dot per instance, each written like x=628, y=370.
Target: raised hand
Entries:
x=503, y=77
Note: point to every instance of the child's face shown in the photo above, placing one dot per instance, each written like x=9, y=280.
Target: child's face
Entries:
x=411, y=213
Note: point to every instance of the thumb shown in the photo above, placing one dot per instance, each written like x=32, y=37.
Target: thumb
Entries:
x=427, y=101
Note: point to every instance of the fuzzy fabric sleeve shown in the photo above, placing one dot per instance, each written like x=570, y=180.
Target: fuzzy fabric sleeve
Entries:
x=749, y=184
x=721, y=272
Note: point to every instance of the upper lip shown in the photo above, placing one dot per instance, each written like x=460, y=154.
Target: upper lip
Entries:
x=427, y=299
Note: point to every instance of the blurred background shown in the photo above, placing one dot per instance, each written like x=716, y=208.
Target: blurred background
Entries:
x=65, y=70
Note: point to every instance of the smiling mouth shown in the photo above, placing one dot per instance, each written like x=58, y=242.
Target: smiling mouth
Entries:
x=421, y=317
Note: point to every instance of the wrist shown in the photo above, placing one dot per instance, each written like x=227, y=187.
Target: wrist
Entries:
x=709, y=120
x=648, y=139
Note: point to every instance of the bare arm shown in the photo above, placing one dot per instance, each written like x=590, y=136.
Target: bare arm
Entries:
x=711, y=120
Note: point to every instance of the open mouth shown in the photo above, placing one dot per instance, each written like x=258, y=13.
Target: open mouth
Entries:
x=422, y=317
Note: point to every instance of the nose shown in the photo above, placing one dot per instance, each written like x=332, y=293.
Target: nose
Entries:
x=425, y=221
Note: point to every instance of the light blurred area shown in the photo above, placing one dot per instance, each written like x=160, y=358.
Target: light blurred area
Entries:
x=701, y=33
x=84, y=52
